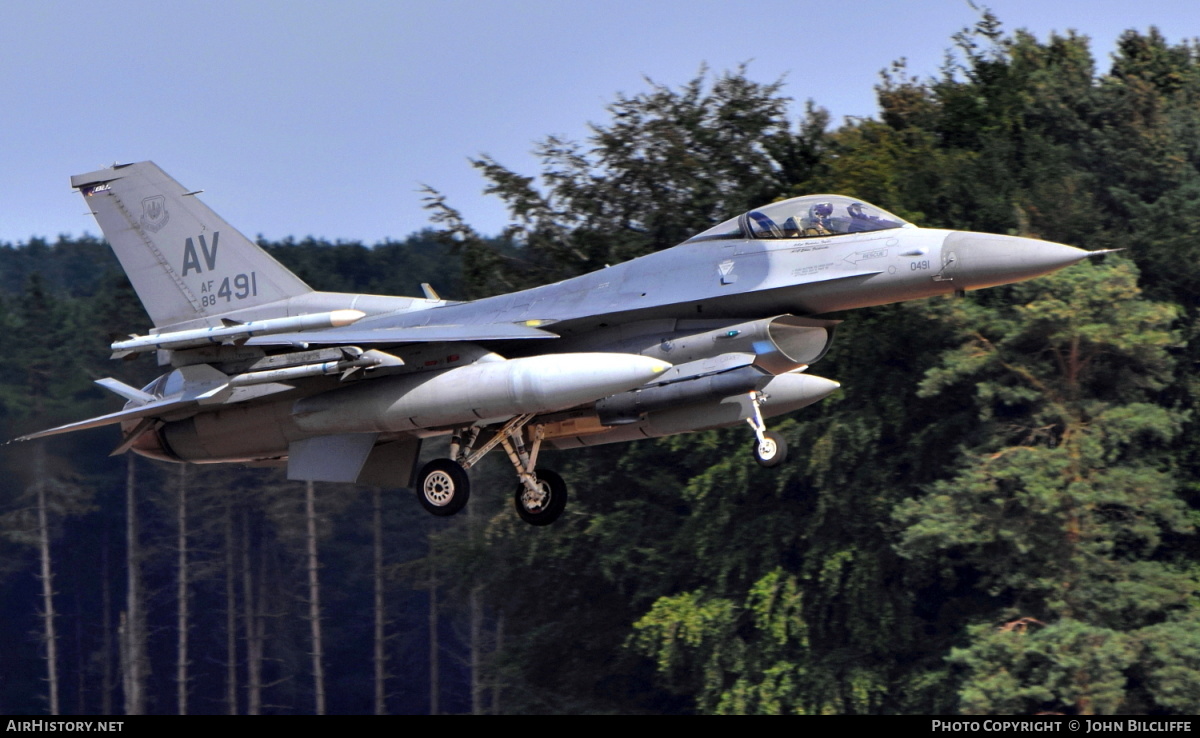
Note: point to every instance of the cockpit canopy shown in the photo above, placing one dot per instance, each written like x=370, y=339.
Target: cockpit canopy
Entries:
x=804, y=217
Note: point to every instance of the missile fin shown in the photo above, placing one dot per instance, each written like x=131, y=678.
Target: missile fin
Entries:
x=204, y=384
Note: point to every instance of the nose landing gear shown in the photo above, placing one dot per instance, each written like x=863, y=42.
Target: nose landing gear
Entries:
x=769, y=447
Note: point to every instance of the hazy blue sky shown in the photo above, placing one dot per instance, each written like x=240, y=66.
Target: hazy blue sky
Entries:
x=324, y=118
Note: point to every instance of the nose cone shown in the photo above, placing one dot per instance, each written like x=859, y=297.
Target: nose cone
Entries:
x=976, y=260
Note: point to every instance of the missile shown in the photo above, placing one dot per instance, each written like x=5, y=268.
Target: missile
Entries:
x=208, y=385
x=485, y=390
x=629, y=407
x=235, y=332
x=368, y=360
x=784, y=394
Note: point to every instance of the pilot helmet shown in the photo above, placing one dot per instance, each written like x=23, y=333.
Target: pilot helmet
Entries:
x=821, y=210
x=856, y=211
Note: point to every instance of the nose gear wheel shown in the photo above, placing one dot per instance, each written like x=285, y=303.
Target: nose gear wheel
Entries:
x=771, y=450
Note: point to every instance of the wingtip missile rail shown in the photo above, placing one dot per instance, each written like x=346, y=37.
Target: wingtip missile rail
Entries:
x=235, y=332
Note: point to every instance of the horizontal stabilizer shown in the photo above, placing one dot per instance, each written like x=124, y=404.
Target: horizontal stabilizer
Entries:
x=203, y=385
x=413, y=334
x=158, y=407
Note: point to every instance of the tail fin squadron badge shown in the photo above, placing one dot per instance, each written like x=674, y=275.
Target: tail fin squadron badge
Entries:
x=154, y=213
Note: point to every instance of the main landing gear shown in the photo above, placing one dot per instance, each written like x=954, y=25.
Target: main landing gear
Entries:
x=769, y=447
x=541, y=495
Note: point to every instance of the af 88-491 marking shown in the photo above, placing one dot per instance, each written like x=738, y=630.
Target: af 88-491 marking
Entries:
x=244, y=285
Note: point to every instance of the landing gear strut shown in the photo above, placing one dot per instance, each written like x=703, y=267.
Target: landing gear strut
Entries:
x=541, y=494
x=769, y=447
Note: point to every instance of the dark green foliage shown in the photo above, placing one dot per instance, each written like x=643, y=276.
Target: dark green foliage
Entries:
x=387, y=268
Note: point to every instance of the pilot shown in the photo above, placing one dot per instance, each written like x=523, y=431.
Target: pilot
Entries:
x=761, y=226
x=859, y=220
x=817, y=222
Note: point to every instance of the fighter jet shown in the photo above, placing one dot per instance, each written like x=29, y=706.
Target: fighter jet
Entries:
x=714, y=332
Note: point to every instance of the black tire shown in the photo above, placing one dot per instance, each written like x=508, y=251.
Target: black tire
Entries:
x=546, y=510
x=443, y=487
x=772, y=452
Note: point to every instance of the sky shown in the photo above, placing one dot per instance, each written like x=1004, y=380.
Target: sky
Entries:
x=317, y=118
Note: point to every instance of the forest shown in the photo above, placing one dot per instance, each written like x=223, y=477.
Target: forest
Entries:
x=996, y=513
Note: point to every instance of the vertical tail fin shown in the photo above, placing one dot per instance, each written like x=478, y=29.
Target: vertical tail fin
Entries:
x=184, y=261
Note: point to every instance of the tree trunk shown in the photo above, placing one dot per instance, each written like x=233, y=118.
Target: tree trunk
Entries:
x=135, y=622
x=434, y=672
x=181, y=674
x=314, y=598
x=81, y=671
x=476, y=607
x=249, y=617
x=231, y=671
x=123, y=647
x=47, y=582
x=106, y=661
x=380, y=652
x=495, y=675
